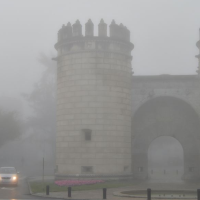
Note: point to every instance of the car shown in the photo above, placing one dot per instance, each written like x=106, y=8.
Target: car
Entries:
x=8, y=176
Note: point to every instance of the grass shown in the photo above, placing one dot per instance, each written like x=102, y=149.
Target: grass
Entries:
x=39, y=187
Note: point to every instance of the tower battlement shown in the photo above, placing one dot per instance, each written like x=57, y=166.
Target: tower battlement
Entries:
x=116, y=31
x=198, y=56
x=71, y=39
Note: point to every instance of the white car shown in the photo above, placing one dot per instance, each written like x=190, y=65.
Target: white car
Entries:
x=8, y=175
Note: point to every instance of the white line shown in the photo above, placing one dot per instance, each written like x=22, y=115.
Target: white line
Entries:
x=5, y=188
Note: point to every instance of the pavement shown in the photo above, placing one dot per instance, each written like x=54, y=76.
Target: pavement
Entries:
x=13, y=192
x=113, y=193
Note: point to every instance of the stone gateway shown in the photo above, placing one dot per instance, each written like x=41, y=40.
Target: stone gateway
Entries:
x=106, y=117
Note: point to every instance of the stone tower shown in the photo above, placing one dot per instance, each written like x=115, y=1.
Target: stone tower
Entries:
x=93, y=100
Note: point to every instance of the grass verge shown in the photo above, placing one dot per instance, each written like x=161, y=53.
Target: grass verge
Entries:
x=39, y=187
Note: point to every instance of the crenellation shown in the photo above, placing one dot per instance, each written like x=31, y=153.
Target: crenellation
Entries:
x=122, y=31
x=89, y=28
x=127, y=34
x=113, y=29
x=77, y=29
x=102, y=29
x=71, y=32
x=198, y=56
x=67, y=32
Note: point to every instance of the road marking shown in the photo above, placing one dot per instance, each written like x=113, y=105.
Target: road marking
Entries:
x=5, y=188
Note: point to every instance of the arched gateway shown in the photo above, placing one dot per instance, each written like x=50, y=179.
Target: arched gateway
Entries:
x=97, y=95
x=165, y=116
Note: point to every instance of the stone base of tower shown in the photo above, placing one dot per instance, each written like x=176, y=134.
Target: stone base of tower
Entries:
x=90, y=170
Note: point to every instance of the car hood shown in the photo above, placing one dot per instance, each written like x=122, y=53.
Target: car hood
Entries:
x=7, y=175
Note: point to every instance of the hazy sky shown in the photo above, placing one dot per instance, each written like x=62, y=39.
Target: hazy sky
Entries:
x=164, y=33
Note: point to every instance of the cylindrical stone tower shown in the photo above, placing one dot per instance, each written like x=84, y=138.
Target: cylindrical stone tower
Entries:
x=93, y=100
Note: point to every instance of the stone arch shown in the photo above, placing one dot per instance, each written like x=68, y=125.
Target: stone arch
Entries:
x=165, y=116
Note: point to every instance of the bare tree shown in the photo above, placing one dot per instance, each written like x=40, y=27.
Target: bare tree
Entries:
x=10, y=127
x=42, y=100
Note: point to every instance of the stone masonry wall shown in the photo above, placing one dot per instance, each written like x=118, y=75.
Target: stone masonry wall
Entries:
x=93, y=106
x=186, y=91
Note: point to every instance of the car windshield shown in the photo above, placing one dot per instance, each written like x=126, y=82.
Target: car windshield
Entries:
x=7, y=171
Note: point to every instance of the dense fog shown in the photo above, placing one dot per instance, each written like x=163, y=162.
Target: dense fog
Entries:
x=164, y=34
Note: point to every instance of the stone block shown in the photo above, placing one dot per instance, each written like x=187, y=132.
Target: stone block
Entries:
x=74, y=144
x=98, y=138
x=81, y=104
x=88, y=121
x=63, y=144
x=88, y=155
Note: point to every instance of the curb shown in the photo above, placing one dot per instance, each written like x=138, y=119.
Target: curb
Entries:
x=38, y=195
x=29, y=187
x=119, y=194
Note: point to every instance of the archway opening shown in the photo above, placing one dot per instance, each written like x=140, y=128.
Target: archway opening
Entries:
x=165, y=159
x=165, y=116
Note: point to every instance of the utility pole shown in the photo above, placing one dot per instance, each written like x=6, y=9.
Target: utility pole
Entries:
x=43, y=171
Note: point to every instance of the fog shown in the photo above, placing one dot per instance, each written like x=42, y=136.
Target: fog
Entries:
x=164, y=34
x=165, y=159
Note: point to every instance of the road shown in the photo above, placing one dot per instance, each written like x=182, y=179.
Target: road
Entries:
x=19, y=192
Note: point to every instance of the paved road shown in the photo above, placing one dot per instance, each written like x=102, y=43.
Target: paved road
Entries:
x=19, y=192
